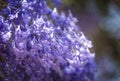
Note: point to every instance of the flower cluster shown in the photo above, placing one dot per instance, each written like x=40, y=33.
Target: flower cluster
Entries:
x=38, y=43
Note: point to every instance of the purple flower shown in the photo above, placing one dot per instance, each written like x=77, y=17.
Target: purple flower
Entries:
x=5, y=11
x=1, y=25
x=57, y=3
x=41, y=44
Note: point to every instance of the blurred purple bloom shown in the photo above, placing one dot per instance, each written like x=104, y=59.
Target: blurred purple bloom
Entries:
x=57, y=3
x=5, y=11
x=1, y=25
x=41, y=44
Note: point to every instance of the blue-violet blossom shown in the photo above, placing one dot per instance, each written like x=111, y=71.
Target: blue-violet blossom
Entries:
x=38, y=43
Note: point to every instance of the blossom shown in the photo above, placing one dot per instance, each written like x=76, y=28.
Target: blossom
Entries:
x=41, y=44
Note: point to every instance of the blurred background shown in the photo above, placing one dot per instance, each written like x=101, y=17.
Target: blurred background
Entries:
x=100, y=22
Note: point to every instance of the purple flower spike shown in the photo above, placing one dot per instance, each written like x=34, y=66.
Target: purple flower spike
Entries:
x=41, y=44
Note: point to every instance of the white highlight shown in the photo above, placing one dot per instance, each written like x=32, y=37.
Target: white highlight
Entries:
x=7, y=35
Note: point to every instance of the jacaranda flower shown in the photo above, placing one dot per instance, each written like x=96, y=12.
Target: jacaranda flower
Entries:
x=38, y=43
